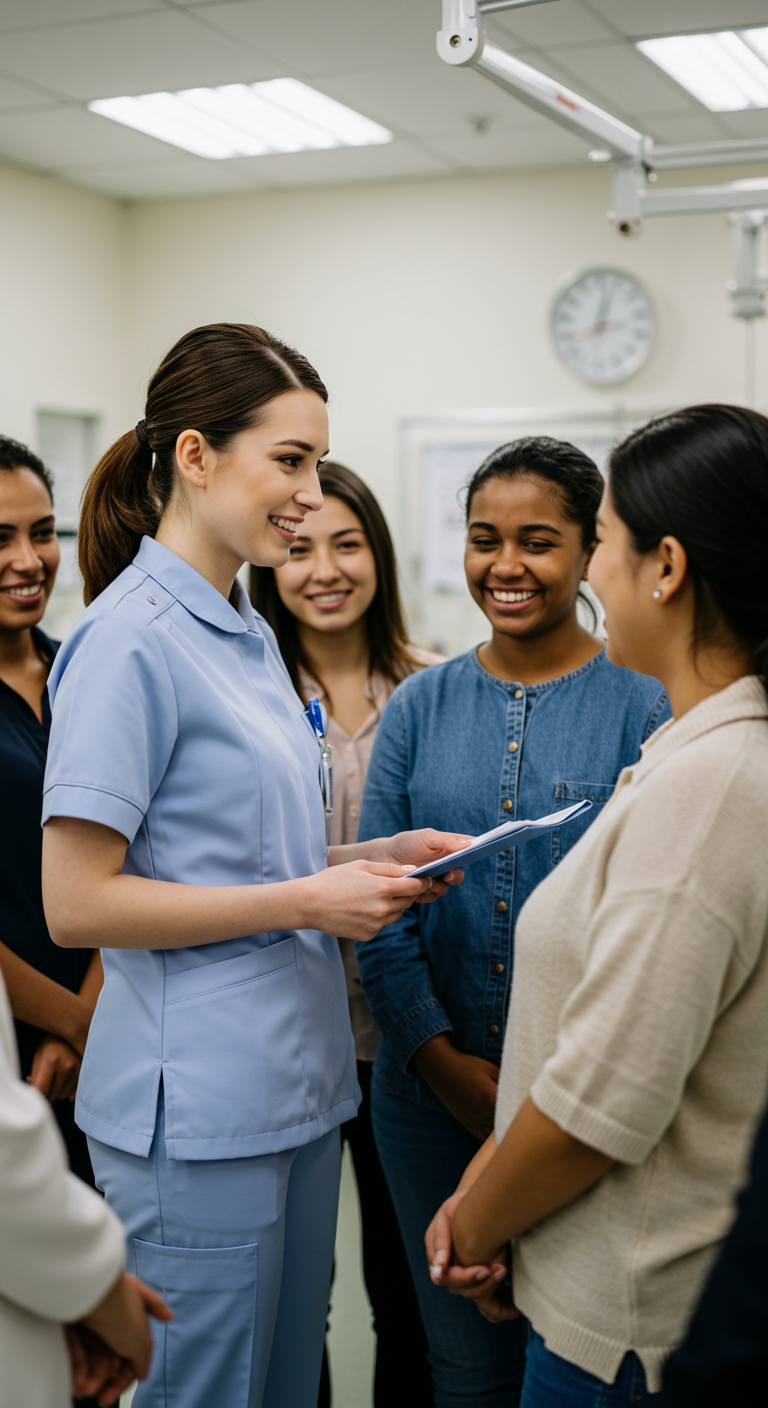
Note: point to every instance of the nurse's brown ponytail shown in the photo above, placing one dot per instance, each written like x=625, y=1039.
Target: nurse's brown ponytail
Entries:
x=216, y=380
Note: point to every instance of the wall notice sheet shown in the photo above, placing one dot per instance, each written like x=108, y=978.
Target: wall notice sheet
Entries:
x=503, y=838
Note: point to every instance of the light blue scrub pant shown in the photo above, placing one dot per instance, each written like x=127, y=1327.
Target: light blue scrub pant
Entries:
x=241, y=1250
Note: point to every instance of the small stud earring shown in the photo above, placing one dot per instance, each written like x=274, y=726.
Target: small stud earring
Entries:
x=657, y=594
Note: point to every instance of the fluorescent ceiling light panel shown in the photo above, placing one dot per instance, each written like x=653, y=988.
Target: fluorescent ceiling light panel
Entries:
x=243, y=119
x=726, y=72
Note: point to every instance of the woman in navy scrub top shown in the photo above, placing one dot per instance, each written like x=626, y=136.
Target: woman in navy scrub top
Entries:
x=52, y=992
x=185, y=834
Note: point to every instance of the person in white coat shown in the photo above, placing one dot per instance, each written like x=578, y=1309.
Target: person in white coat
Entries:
x=61, y=1264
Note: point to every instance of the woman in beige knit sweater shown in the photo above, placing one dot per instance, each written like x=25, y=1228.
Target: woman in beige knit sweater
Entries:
x=636, y=1058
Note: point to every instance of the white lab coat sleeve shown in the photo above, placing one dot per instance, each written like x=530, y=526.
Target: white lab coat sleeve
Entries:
x=61, y=1247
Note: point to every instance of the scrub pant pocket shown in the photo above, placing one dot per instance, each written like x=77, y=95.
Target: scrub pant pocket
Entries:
x=207, y=1349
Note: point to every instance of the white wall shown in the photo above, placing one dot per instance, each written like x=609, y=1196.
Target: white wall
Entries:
x=410, y=297
x=63, y=299
x=422, y=296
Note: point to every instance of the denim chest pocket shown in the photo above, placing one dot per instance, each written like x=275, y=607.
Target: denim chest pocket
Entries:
x=232, y=1046
x=566, y=793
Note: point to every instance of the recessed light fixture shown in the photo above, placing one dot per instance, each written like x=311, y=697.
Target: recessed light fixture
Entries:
x=726, y=72
x=245, y=119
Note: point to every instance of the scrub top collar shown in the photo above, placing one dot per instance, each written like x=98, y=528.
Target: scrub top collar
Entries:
x=199, y=596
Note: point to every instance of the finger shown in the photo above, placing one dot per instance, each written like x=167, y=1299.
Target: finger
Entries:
x=41, y=1077
x=153, y=1303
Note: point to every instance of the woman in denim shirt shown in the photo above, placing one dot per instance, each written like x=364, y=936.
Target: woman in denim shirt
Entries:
x=535, y=719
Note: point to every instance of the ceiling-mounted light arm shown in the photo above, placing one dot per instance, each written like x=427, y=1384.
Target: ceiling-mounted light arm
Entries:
x=461, y=43
x=749, y=283
x=490, y=7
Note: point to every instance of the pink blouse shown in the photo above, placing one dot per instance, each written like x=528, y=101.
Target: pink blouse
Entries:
x=350, y=764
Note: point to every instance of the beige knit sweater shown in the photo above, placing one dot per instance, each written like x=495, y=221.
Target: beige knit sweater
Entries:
x=639, y=1023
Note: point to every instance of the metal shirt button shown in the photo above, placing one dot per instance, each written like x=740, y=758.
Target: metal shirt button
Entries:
x=501, y=907
x=498, y=967
x=507, y=805
x=513, y=747
x=493, y=1029
x=518, y=694
x=352, y=809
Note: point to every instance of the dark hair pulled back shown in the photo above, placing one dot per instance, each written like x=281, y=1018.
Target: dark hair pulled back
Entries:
x=217, y=380
x=701, y=476
x=14, y=455
x=558, y=463
x=385, y=626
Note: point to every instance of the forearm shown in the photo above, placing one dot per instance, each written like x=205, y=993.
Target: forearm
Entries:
x=93, y=981
x=36, y=999
x=360, y=850
x=478, y=1164
x=537, y=1169
x=127, y=911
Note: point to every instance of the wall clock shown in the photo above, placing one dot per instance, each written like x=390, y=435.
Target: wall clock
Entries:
x=603, y=325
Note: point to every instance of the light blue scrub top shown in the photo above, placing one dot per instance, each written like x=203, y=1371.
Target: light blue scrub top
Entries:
x=175, y=723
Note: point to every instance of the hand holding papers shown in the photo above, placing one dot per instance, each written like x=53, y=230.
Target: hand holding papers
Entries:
x=503, y=838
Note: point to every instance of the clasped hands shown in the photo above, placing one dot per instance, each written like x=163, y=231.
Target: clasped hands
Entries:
x=487, y=1283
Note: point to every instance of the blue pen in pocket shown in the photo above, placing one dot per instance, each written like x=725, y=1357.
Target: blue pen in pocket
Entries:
x=318, y=718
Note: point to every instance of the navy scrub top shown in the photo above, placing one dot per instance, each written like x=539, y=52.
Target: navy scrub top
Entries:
x=23, y=749
x=176, y=724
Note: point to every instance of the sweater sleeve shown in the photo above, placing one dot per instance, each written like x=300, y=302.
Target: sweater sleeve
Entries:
x=61, y=1248
x=394, y=966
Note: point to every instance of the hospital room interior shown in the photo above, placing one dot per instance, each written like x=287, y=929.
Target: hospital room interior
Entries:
x=539, y=224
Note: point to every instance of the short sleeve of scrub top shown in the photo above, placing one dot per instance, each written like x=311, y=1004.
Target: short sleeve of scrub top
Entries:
x=175, y=724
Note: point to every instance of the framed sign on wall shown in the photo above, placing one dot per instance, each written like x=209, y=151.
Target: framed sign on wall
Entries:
x=438, y=455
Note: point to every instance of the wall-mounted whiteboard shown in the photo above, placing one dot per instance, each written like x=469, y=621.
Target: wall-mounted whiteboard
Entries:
x=438, y=455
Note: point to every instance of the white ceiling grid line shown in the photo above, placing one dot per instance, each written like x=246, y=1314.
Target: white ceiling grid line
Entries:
x=376, y=56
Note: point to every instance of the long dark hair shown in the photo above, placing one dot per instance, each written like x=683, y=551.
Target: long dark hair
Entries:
x=701, y=475
x=216, y=379
x=385, y=627
x=557, y=462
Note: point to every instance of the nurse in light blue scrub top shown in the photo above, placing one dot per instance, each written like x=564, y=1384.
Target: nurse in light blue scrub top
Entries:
x=185, y=836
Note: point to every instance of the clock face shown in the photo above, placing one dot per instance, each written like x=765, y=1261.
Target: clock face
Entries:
x=603, y=325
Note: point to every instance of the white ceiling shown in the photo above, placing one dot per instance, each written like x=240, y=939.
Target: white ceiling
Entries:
x=376, y=55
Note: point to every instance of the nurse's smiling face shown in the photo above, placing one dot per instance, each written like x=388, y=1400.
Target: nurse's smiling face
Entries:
x=248, y=503
x=29, y=550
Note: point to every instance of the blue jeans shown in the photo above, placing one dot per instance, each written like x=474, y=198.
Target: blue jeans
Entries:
x=241, y=1249
x=551, y=1382
x=424, y=1153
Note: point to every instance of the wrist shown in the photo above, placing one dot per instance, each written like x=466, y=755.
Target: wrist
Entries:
x=79, y=1026
x=434, y=1058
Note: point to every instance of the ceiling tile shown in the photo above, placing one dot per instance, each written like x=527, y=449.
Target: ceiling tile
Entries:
x=134, y=54
x=622, y=78
x=432, y=98
x=677, y=127
x=344, y=164
x=650, y=17
x=145, y=182
x=752, y=123
x=548, y=146
x=36, y=14
x=63, y=136
x=328, y=35
x=17, y=95
x=563, y=22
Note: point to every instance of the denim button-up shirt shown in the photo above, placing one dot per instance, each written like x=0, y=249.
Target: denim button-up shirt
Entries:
x=461, y=750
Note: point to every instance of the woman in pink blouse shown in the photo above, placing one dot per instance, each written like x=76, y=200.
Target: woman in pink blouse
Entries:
x=335, y=609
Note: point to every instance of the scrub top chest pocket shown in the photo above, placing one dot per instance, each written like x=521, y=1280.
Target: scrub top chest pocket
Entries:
x=564, y=838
